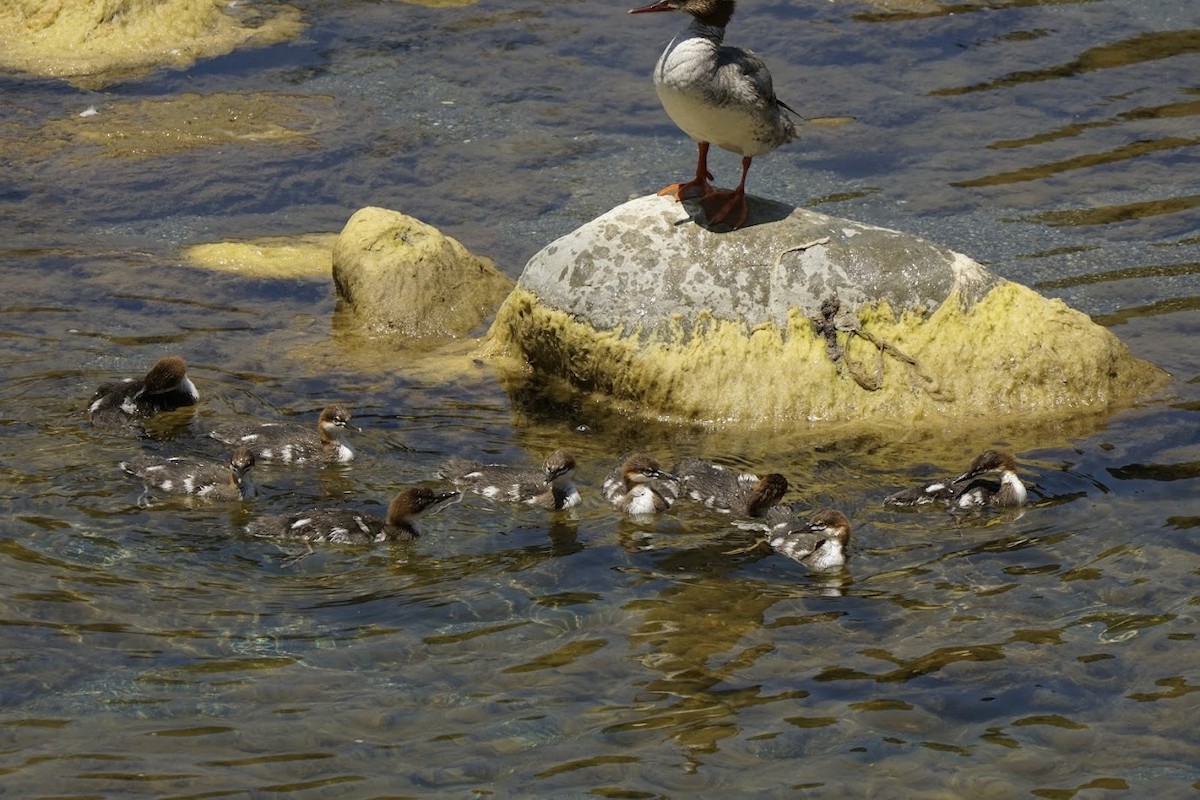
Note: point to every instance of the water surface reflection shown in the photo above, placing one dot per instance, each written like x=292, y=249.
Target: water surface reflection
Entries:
x=162, y=652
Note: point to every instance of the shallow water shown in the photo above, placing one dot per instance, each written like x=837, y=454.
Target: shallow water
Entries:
x=159, y=652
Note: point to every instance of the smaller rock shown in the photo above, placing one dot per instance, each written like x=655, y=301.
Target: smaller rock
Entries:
x=395, y=274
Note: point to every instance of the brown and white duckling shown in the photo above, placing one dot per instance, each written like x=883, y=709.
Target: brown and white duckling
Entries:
x=550, y=488
x=639, y=485
x=166, y=387
x=208, y=479
x=819, y=542
x=347, y=526
x=971, y=490
x=742, y=494
x=293, y=444
x=976, y=491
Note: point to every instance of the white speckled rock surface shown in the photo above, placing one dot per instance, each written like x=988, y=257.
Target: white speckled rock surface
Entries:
x=647, y=261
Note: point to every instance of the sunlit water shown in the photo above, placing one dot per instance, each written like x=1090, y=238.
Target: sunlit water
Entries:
x=160, y=652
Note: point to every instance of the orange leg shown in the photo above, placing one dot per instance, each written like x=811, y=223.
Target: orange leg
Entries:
x=700, y=186
x=718, y=206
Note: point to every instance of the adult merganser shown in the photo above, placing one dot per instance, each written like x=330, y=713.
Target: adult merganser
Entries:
x=971, y=490
x=741, y=493
x=213, y=481
x=165, y=387
x=346, y=526
x=292, y=444
x=550, y=488
x=717, y=95
x=639, y=485
x=819, y=543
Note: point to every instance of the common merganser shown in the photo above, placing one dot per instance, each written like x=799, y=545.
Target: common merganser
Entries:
x=971, y=490
x=979, y=492
x=293, y=444
x=819, y=542
x=208, y=479
x=549, y=488
x=639, y=485
x=346, y=526
x=165, y=387
x=743, y=494
x=717, y=95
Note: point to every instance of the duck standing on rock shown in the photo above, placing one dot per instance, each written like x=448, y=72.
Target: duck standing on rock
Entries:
x=717, y=95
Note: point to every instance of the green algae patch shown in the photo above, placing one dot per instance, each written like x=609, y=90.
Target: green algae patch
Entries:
x=308, y=256
x=1012, y=353
x=95, y=43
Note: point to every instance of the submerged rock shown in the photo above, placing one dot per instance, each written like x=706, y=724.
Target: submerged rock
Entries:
x=395, y=274
x=284, y=257
x=801, y=317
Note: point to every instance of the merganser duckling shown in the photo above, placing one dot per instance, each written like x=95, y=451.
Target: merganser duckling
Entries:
x=207, y=479
x=346, y=526
x=641, y=486
x=980, y=492
x=819, y=543
x=970, y=490
x=550, y=488
x=165, y=387
x=717, y=95
x=293, y=444
x=741, y=493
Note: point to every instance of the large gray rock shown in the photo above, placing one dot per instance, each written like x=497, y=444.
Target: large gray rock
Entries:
x=647, y=263
x=801, y=316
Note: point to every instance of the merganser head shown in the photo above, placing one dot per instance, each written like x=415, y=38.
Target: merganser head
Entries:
x=241, y=461
x=167, y=375
x=560, y=464
x=641, y=468
x=708, y=12
x=989, y=461
x=415, y=502
x=334, y=418
x=831, y=524
x=769, y=490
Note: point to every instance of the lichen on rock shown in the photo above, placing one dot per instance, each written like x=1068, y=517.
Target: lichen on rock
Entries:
x=396, y=275
x=801, y=318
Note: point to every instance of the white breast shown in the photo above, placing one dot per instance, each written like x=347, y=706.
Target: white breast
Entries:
x=641, y=500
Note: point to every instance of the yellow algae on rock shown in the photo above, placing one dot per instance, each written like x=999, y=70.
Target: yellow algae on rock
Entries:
x=94, y=43
x=396, y=275
x=679, y=322
x=289, y=257
x=1059, y=362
